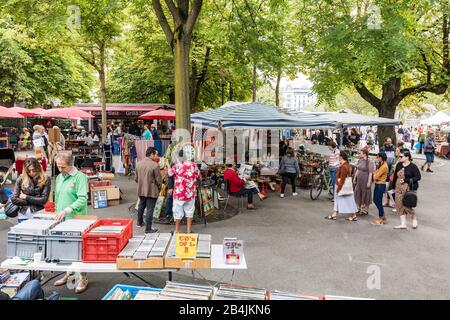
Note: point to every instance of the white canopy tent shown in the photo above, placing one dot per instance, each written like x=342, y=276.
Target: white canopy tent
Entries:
x=436, y=120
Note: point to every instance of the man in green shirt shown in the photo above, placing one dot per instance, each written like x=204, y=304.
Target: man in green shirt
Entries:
x=71, y=189
x=71, y=199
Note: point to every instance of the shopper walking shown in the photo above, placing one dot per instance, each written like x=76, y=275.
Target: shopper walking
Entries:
x=333, y=160
x=344, y=202
x=422, y=138
x=428, y=150
x=31, y=191
x=149, y=180
x=363, y=182
x=146, y=135
x=71, y=199
x=379, y=177
x=186, y=174
x=414, y=137
x=406, y=177
x=289, y=170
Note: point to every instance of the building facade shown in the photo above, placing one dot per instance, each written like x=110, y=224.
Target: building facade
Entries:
x=296, y=95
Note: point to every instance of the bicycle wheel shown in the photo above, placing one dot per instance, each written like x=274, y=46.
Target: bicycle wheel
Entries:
x=316, y=187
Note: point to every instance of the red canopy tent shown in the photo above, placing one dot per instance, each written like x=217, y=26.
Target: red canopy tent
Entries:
x=9, y=113
x=26, y=112
x=158, y=115
x=38, y=110
x=66, y=113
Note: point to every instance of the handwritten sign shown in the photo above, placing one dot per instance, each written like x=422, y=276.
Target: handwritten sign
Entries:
x=186, y=247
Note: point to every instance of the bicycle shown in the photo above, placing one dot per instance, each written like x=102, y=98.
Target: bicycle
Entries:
x=321, y=181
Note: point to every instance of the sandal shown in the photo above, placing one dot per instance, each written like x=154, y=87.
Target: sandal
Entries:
x=330, y=217
x=364, y=213
x=378, y=222
x=352, y=219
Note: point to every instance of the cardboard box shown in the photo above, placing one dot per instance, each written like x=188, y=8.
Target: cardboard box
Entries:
x=113, y=194
x=178, y=263
x=149, y=263
x=54, y=135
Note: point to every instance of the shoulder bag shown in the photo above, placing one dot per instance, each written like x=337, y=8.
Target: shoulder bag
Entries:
x=410, y=197
x=347, y=188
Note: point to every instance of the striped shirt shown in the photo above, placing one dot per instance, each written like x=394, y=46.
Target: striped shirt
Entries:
x=334, y=158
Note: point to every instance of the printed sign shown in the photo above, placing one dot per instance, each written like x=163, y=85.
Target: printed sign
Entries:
x=186, y=247
x=233, y=249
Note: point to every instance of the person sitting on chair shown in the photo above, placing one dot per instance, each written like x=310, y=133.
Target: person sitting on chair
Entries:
x=237, y=186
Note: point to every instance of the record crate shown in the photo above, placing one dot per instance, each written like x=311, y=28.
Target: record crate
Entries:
x=105, y=247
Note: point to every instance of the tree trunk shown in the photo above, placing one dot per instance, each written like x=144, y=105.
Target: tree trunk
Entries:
x=231, y=93
x=386, y=111
x=254, y=83
x=172, y=97
x=277, y=89
x=102, y=78
x=223, y=93
x=182, y=103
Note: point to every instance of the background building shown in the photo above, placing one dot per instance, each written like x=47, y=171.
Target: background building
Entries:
x=297, y=95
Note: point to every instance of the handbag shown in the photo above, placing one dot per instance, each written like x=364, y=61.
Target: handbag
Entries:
x=159, y=202
x=410, y=197
x=347, y=188
x=11, y=210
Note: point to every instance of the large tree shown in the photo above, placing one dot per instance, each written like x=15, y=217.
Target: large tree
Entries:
x=179, y=36
x=387, y=50
x=34, y=72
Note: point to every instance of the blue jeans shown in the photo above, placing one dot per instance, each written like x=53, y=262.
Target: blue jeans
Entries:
x=31, y=291
x=148, y=203
x=169, y=206
x=378, y=193
x=333, y=176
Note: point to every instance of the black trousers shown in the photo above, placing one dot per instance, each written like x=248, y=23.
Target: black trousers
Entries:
x=248, y=192
x=285, y=177
x=148, y=203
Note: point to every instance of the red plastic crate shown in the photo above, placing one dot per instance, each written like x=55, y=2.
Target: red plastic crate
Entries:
x=106, y=247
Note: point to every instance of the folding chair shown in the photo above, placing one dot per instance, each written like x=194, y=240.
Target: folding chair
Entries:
x=224, y=185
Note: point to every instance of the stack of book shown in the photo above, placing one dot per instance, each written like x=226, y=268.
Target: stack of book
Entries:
x=227, y=292
x=183, y=291
x=280, y=295
x=14, y=283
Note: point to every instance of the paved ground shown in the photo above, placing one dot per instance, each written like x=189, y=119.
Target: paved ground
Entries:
x=290, y=246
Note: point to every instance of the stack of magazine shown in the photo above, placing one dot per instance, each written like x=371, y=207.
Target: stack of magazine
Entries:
x=14, y=283
x=183, y=291
x=227, y=292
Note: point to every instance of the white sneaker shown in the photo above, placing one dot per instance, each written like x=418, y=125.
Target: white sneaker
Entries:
x=295, y=194
x=282, y=195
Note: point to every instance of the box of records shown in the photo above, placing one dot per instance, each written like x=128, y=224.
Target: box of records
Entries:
x=144, y=252
x=280, y=295
x=202, y=259
x=184, y=291
x=232, y=292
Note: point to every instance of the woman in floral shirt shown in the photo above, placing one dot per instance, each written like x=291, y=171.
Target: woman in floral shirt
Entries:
x=186, y=175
